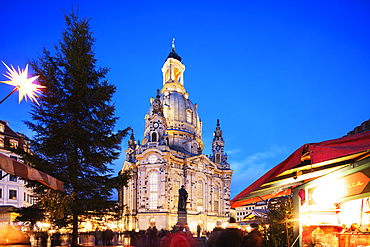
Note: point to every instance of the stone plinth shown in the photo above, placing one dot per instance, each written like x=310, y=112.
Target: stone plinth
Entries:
x=182, y=221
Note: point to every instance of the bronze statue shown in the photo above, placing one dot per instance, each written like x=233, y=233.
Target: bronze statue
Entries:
x=183, y=197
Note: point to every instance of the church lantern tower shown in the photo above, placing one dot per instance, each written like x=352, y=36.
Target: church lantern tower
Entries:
x=170, y=156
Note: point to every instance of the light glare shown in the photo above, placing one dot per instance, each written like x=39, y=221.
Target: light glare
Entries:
x=24, y=85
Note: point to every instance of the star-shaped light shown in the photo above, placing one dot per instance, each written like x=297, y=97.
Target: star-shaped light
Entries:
x=24, y=85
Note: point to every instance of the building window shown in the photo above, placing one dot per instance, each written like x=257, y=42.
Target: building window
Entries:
x=152, y=159
x=200, y=167
x=176, y=187
x=154, y=137
x=13, y=178
x=218, y=158
x=1, y=141
x=2, y=128
x=165, y=112
x=177, y=74
x=153, y=200
x=13, y=194
x=216, y=195
x=189, y=116
x=153, y=182
x=13, y=144
x=1, y=193
x=200, y=195
x=153, y=189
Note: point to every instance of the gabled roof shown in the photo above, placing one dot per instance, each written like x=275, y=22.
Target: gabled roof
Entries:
x=308, y=162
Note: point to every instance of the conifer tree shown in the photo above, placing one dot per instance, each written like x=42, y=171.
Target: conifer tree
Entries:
x=74, y=124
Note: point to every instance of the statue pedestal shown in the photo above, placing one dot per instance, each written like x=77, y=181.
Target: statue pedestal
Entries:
x=182, y=221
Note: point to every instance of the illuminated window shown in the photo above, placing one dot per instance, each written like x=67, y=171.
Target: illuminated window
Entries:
x=13, y=194
x=153, y=200
x=1, y=141
x=13, y=144
x=153, y=182
x=176, y=187
x=216, y=196
x=177, y=74
x=189, y=116
x=152, y=159
x=165, y=112
x=2, y=128
x=200, y=167
x=153, y=188
x=200, y=195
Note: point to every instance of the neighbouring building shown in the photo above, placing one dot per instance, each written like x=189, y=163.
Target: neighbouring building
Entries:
x=171, y=155
x=13, y=192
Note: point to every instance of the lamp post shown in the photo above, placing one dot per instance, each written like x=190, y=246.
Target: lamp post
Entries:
x=24, y=85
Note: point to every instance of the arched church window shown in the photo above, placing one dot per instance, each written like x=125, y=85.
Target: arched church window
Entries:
x=200, y=195
x=154, y=137
x=177, y=74
x=153, y=190
x=216, y=198
x=189, y=116
x=167, y=75
x=165, y=112
x=176, y=187
x=218, y=158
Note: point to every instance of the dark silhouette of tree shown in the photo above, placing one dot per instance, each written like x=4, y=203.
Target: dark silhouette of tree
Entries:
x=30, y=214
x=75, y=138
x=279, y=216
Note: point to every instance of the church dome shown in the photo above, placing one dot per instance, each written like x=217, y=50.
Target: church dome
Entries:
x=184, y=128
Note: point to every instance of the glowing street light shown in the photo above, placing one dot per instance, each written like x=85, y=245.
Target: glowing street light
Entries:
x=24, y=85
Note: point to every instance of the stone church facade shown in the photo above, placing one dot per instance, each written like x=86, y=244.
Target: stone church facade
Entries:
x=169, y=156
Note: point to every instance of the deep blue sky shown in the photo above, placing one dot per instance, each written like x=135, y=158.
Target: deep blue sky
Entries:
x=278, y=74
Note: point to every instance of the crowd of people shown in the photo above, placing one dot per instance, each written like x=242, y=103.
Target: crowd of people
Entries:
x=104, y=237
x=232, y=236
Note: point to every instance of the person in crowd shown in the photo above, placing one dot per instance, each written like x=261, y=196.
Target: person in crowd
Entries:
x=254, y=237
x=55, y=239
x=44, y=239
x=153, y=235
x=231, y=236
x=107, y=236
x=148, y=232
x=212, y=239
x=98, y=236
x=199, y=229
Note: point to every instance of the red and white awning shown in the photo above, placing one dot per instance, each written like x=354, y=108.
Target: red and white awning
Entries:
x=19, y=169
x=325, y=154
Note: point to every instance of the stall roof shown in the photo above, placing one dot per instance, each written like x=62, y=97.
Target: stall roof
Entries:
x=19, y=169
x=308, y=162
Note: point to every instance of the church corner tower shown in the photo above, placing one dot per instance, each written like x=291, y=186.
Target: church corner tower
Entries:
x=171, y=155
x=218, y=155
